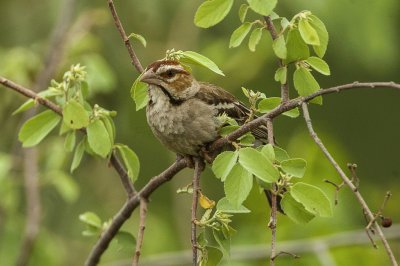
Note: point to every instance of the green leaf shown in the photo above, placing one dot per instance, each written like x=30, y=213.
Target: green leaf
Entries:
x=125, y=240
x=304, y=82
x=138, y=37
x=297, y=49
x=69, y=142
x=319, y=65
x=74, y=114
x=295, y=167
x=78, y=154
x=139, y=94
x=37, y=128
x=308, y=33
x=25, y=106
x=223, y=242
x=262, y=7
x=279, y=47
x=98, y=138
x=323, y=35
x=211, y=12
x=255, y=38
x=280, y=154
x=295, y=210
x=268, y=151
x=281, y=75
x=226, y=130
x=90, y=218
x=224, y=163
x=193, y=57
x=257, y=164
x=239, y=34
x=131, y=161
x=213, y=258
x=243, y=12
x=237, y=185
x=313, y=199
x=109, y=124
x=268, y=104
x=225, y=206
x=247, y=140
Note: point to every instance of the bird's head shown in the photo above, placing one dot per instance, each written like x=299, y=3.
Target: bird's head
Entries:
x=171, y=77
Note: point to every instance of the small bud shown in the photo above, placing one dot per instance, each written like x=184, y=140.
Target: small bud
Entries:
x=386, y=222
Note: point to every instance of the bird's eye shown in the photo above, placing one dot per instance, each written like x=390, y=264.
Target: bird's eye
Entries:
x=170, y=73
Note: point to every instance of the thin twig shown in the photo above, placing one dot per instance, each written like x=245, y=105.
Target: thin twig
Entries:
x=272, y=219
x=126, y=211
x=134, y=59
x=198, y=169
x=348, y=182
x=274, y=35
x=284, y=253
x=142, y=227
x=123, y=174
x=337, y=188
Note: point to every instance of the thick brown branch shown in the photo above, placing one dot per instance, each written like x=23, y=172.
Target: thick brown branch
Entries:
x=140, y=235
x=130, y=205
x=134, y=59
x=348, y=182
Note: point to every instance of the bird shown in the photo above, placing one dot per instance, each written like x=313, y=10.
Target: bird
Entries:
x=183, y=112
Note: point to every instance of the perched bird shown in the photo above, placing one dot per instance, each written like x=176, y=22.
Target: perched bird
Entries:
x=183, y=112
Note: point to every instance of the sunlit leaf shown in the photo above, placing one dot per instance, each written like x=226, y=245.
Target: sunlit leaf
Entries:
x=268, y=104
x=295, y=210
x=268, y=151
x=262, y=7
x=239, y=34
x=78, y=154
x=313, y=199
x=98, y=138
x=74, y=114
x=237, y=185
x=69, y=142
x=319, y=65
x=224, y=205
x=280, y=154
x=257, y=164
x=297, y=49
x=193, y=57
x=243, y=12
x=138, y=37
x=255, y=38
x=224, y=163
x=323, y=35
x=308, y=33
x=281, y=75
x=295, y=167
x=90, y=218
x=131, y=161
x=37, y=128
x=139, y=94
x=211, y=12
x=304, y=82
x=279, y=47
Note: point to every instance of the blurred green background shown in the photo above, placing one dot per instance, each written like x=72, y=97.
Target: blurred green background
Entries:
x=357, y=126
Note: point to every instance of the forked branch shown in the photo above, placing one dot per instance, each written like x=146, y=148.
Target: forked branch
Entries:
x=348, y=182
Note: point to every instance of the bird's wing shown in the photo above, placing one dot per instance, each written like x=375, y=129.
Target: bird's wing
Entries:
x=227, y=103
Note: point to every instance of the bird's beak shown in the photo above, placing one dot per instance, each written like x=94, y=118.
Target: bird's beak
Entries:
x=149, y=77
